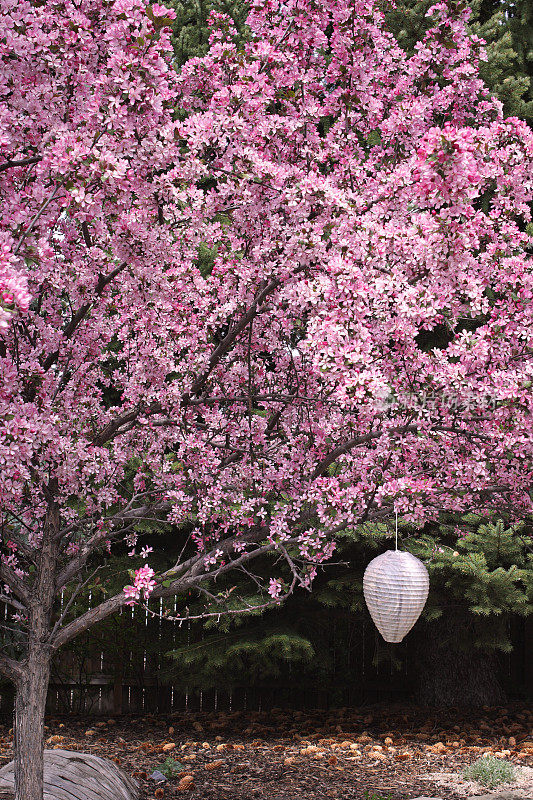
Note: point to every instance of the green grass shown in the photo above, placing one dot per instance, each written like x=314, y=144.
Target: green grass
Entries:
x=170, y=768
x=490, y=771
x=374, y=796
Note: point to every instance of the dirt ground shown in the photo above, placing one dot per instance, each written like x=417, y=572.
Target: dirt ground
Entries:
x=346, y=754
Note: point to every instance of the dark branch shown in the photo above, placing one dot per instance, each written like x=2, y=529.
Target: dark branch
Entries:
x=82, y=312
x=23, y=162
x=333, y=455
x=10, y=668
x=127, y=516
x=87, y=620
x=16, y=584
x=222, y=348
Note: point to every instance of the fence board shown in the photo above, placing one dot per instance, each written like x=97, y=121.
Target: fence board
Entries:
x=124, y=674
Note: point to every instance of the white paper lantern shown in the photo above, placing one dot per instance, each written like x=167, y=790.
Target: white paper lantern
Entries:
x=396, y=586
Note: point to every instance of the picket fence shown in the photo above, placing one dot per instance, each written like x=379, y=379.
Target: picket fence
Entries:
x=88, y=682
x=123, y=669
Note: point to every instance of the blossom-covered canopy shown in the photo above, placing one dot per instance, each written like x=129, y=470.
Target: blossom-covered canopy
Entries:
x=277, y=294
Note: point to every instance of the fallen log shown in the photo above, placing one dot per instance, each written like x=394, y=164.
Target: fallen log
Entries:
x=69, y=775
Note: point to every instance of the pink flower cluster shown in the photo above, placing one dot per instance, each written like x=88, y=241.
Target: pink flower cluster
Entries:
x=143, y=584
x=14, y=295
x=275, y=588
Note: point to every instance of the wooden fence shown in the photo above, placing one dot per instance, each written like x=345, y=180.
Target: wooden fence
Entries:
x=126, y=679
x=121, y=668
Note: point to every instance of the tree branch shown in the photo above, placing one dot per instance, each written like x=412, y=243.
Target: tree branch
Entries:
x=10, y=668
x=333, y=455
x=16, y=584
x=113, y=428
x=129, y=515
x=81, y=313
x=72, y=598
x=87, y=620
x=273, y=602
x=110, y=606
x=36, y=217
x=23, y=162
x=226, y=343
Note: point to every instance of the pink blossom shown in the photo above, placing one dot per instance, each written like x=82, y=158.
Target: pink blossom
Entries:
x=143, y=584
x=275, y=587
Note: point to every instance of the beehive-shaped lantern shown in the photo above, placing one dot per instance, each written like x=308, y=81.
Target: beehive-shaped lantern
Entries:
x=396, y=586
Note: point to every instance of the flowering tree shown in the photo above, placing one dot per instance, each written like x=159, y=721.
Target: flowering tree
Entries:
x=13, y=293
x=234, y=273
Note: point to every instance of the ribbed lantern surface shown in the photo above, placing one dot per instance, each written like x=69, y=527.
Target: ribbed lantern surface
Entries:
x=396, y=586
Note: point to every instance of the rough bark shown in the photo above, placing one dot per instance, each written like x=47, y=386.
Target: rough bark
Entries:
x=450, y=671
x=30, y=704
x=31, y=685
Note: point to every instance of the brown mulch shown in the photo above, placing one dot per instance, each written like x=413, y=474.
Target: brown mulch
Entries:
x=293, y=755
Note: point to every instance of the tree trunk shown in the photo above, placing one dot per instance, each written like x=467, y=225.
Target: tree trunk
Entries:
x=450, y=670
x=30, y=705
x=31, y=683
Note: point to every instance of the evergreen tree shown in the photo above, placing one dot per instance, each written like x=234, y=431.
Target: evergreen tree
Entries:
x=303, y=646
x=481, y=579
x=482, y=567
x=481, y=574
x=507, y=28
x=191, y=29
